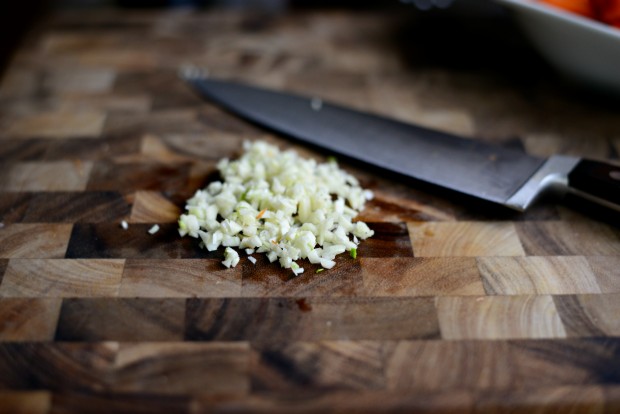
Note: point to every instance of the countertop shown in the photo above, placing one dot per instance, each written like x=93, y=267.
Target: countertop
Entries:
x=453, y=306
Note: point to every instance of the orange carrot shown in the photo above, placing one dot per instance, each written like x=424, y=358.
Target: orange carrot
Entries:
x=582, y=7
x=261, y=214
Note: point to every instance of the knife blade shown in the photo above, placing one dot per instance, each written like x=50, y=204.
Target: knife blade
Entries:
x=494, y=173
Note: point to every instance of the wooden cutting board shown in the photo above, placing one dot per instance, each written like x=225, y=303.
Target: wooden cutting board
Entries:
x=452, y=306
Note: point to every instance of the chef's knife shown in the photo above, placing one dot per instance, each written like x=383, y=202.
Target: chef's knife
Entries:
x=498, y=174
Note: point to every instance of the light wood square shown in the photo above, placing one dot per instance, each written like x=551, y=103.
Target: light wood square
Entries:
x=153, y=207
x=31, y=240
x=57, y=125
x=537, y=275
x=48, y=176
x=62, y=278
x=82, y=80
x=467, y=239
x=499, y=317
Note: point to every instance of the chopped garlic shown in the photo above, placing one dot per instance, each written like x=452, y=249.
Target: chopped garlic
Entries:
x=231, y=258
x=251, y=259
x=277, y=203
x=124, y=225
x=154, y=229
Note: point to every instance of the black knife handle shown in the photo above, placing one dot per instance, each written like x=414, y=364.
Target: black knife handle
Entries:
x=598, y=181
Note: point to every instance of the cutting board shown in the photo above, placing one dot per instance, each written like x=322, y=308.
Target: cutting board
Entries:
x=452, y=306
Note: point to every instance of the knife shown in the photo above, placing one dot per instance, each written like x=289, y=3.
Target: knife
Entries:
x=501, y=175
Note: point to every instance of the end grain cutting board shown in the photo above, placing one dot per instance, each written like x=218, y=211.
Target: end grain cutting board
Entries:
x=449, y=307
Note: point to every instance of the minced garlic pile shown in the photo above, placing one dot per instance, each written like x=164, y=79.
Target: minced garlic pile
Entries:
x=280, y=204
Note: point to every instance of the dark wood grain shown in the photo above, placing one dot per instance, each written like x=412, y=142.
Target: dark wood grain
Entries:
x=273, y=320
x=17, y=240
x=23, y=150
x=13, y=207
x=46, y=365
x=88, y=149
x=265, y=279
x=389, y=240
x=110, y=240
x=167, y=278
x=121, y=320
x=127, y=368
x=107, y=402
x=28, y=319
x=3, y=265
x=590, y=315
x=130, y=177
x=72, y=207
x=564, y=238
x=26, y=402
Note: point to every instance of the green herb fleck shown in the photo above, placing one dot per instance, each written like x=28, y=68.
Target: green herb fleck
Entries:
x=319, y=270
x=354, y=253
x=333, y=159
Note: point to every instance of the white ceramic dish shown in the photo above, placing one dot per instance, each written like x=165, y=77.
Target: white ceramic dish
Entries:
x=582, y=49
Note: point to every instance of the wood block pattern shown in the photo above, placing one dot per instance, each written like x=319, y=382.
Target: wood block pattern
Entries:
x=170, y=369
x=13, y=207
x=182, y=368
x=107, y=402
x=297, y=366
x=265, y=279
x=273, y=320
x=34, y=240
x=47, y=176
x=421, y=277
x=537, y=275
x=121, y=320
x=94, y=81
x=57, y=125
x=569, y=238
x=153, y=207
x=179, y=278
x=62, y=278
x=590, y=315
x=75, y=207
x=34, y=402
x=454, y=306
x=389, y=240
x=107, y=176
x=605, y=268
x=110, y=240
x=28, y=319
x=465, y=239
x=499, y=317
x=3, y=265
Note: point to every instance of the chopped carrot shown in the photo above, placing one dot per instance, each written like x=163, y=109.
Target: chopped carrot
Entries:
x=261, y=214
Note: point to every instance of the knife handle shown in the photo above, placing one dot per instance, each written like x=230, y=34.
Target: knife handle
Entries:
x=596, y=181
